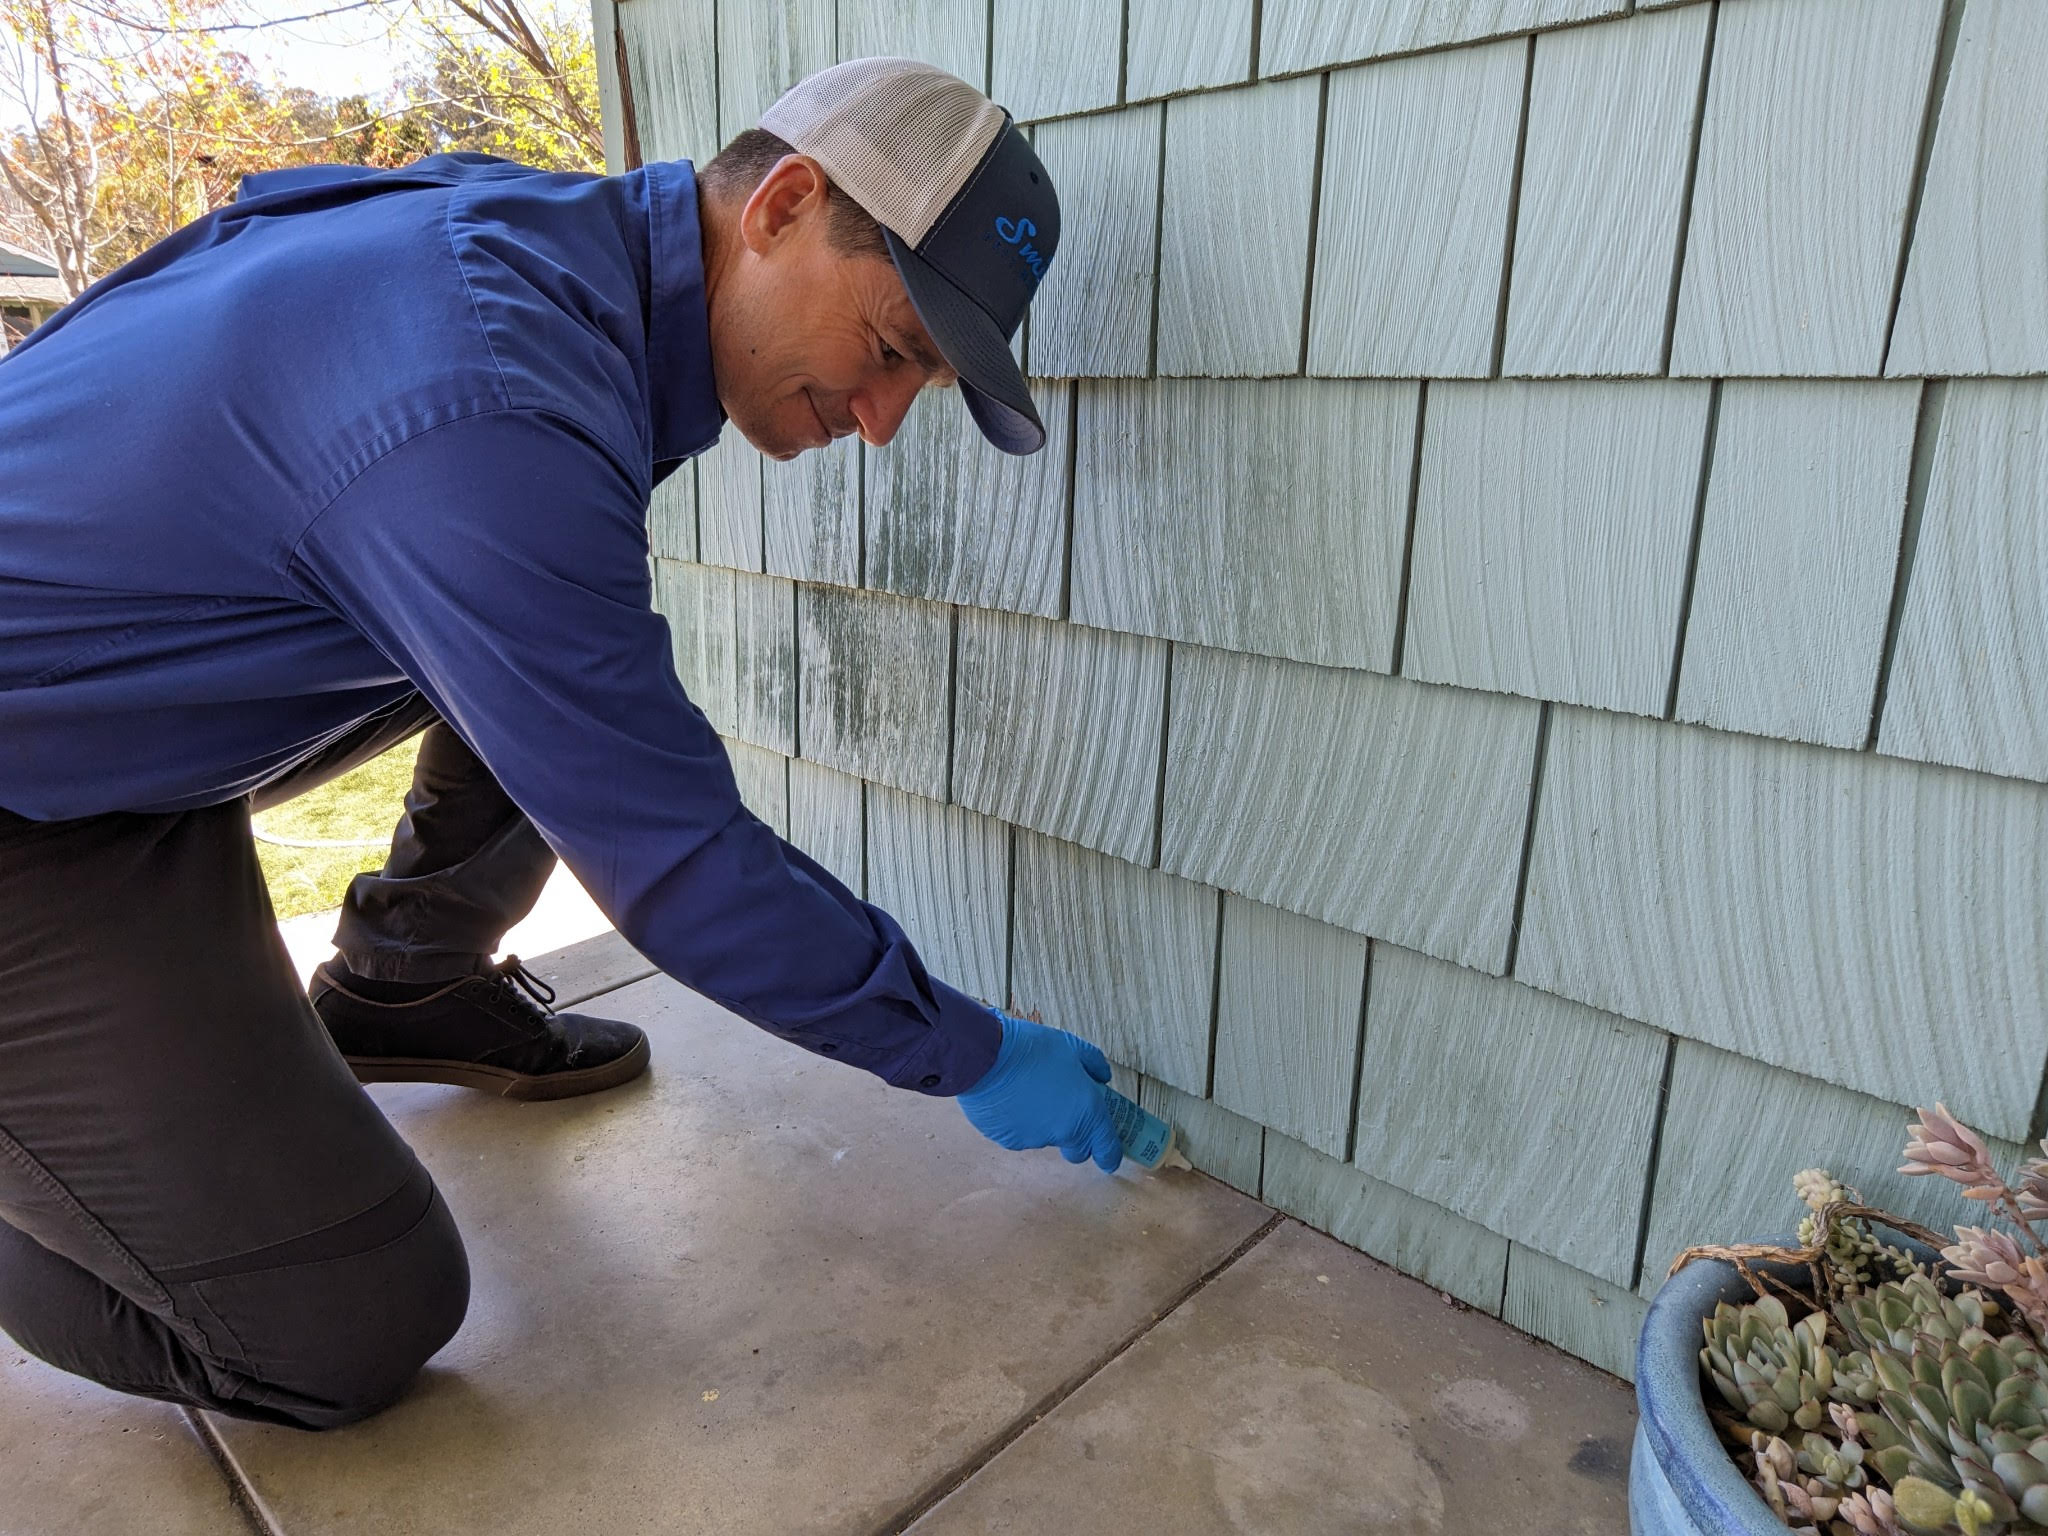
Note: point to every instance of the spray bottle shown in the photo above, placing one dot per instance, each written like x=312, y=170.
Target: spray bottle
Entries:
x=1148, y=1140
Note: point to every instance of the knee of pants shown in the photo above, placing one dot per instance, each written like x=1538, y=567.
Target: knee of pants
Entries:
x=330, y=1342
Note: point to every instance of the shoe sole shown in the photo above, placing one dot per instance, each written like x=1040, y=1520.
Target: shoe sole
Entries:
x=506, y=1084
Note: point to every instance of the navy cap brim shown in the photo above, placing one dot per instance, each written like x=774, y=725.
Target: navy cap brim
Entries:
x=990, y=381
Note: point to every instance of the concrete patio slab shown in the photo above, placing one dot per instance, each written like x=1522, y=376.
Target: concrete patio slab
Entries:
x=596, y=965
x=755, y=1292
x=1312, y=1391
x=80, y=1458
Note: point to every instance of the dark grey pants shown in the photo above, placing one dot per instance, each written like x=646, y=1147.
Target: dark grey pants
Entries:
x=197, y=1202
x=465, y=863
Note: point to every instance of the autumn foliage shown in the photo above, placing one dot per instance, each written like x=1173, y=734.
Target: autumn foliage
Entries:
x=138, y=116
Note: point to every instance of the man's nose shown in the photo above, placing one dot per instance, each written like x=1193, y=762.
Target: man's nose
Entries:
x=881, y=407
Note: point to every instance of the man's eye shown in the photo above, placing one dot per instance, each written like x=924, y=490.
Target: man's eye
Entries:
x=890, y=354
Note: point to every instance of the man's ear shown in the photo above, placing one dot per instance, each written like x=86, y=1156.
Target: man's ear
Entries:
x=787, y=197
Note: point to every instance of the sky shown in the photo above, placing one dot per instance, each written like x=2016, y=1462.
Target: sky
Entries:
x=333, y=55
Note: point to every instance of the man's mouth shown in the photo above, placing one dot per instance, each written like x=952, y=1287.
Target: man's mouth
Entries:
x=824, y=432
x=832, y=434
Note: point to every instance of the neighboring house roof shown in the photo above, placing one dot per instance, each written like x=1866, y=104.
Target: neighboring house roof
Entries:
x=26, y=278
x=16, y=262
x=33, y=290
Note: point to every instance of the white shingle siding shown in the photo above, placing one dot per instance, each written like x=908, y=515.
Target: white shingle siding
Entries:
x=1970, y=682
x=1807, y=159
x=1976, y=293
x=1318, y=682
x=1418, y=175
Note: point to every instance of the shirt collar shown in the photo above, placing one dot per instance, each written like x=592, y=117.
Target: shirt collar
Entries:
x=682, y=399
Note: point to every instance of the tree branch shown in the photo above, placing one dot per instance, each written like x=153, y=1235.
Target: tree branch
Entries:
x=209, y=29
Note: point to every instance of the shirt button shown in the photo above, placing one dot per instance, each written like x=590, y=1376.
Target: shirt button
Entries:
x=828, y=1049
x=930, y=1080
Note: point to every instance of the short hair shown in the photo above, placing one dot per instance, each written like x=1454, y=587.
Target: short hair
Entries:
x=736, y=170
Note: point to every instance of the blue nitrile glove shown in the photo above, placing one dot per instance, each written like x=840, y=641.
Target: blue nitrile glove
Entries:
x=1046, y=1090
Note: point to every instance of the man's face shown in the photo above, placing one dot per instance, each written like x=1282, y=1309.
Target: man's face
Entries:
x=808, y=343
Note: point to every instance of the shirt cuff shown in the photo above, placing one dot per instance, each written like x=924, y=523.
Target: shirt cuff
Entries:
x=960, y=1051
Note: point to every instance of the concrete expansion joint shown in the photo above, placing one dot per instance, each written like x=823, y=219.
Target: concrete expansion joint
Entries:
x=241, y=1491
x=572, y=999
x=1018, y=1427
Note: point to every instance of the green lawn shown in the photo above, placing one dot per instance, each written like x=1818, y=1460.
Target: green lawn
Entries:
x=362, y=805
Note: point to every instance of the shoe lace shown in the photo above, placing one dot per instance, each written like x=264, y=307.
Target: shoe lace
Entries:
x=531, y=993
x=513, y=970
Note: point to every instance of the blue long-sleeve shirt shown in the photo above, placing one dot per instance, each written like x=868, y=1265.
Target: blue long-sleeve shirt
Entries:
x=360, y=434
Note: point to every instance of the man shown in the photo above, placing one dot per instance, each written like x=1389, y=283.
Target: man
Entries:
x=367, y=453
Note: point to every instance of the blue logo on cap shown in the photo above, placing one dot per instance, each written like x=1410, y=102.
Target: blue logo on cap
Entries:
x=1018, y=233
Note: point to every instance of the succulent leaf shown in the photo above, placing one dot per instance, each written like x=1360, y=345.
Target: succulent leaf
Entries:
x=2018, y=1472
x=1932, y=1407
x=1972, y=1404
x=1768, y=1415
x=1877, y=1432
x=1892, y=1371
x=1979, y=1506
x=1892, y=1462
x=2034, y=1504
x=1921, y=1503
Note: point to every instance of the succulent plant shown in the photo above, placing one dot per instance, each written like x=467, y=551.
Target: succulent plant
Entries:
x=1939, y=1143
x=2032, y=1196
x=1791, y=1483
x=1906, y=1402
x=1869, y=1513
x=1921, y=1506
x=1855, y=1255
x=1951, y=1417
x=1775, y=1373
x=1894, y=1314
x=1957, y=1408
x=1984, y=1257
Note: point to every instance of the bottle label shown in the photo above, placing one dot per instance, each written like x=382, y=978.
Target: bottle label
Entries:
x=1145, y=1136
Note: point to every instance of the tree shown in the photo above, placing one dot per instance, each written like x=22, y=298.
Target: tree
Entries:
x=176, y=144
x=512, y=82
x=19, y=226
x=144, y=114
x=52, y=168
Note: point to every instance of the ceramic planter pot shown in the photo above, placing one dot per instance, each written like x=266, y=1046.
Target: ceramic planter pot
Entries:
x=1681, y=1481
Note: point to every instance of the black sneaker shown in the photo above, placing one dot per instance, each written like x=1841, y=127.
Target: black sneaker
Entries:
x=497, y=1031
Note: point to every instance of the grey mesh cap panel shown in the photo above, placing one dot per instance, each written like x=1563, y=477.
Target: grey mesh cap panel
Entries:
x=899, y=137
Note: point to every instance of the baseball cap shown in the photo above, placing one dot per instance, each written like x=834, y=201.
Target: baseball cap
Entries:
x=969, y=214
